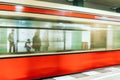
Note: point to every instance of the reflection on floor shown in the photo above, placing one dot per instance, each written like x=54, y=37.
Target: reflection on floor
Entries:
x=107, y=73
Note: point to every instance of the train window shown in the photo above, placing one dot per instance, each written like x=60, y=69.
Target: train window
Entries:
x=27, y=36
x=73, y=40
x=98, y=39
x=56, y=40
x=3, y=41
x=116, y=37
x=99, y=36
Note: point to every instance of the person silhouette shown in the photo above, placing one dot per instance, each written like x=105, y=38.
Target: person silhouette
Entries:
x=46, y=42
x=11, y=41
x=28, y=45
x=36, y=42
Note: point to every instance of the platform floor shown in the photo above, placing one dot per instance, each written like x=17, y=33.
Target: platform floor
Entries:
x=107, y=73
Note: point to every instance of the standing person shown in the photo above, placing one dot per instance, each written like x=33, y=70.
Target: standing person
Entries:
x=28, y=45
x=46, y=42
x=36, y=42
x=11, y=41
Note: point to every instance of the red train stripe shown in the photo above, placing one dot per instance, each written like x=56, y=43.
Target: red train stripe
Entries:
x=54, y=12
x=46, y=11
x=57, y=12
x=7, y=7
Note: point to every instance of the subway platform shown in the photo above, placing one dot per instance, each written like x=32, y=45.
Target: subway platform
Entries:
x=106, y=73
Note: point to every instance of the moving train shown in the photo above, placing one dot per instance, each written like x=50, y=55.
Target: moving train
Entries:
x=41, y=39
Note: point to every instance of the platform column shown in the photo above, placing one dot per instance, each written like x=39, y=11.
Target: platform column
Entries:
x=78, y=3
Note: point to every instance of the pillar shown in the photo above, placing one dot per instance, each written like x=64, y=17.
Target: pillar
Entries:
x=78, y=3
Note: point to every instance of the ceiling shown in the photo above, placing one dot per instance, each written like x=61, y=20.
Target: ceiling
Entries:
x=114, y=3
